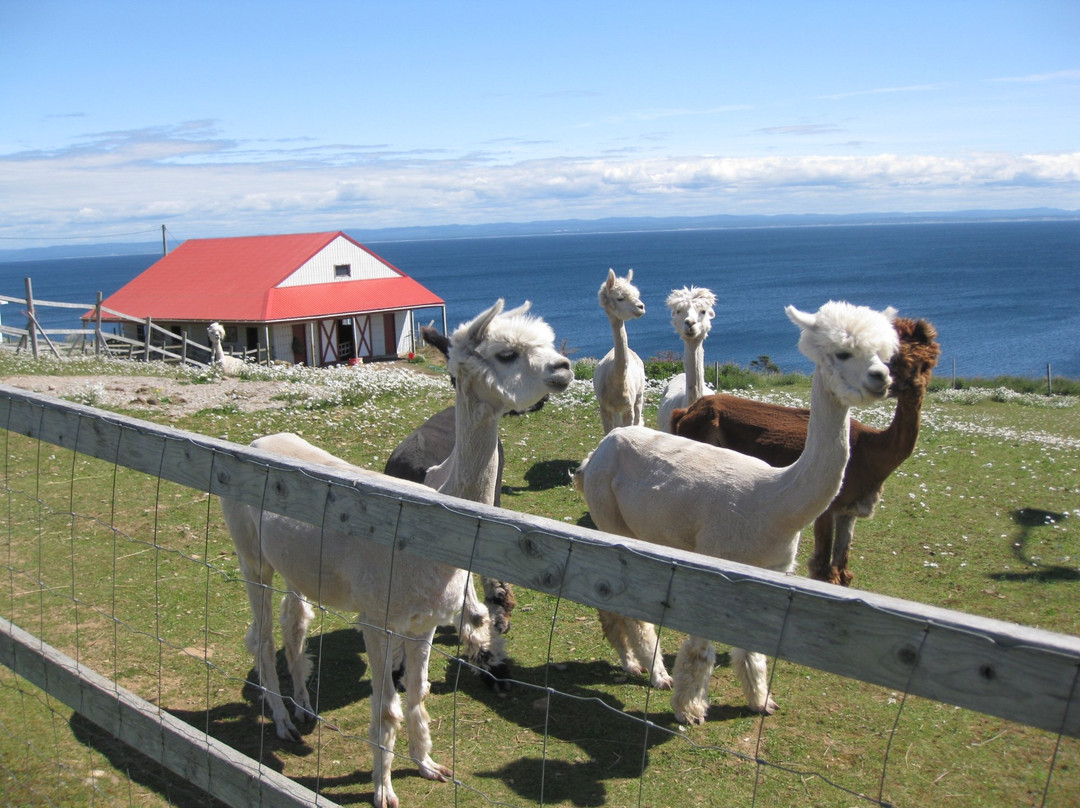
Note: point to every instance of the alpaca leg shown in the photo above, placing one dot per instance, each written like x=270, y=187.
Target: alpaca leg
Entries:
x=296, y=616
x=646, y=644
x=386, y=715
x=845, y=531
x=821, y=559
x=751, y=669
x=417, y=653
x=260, y=643
x=483, y=647
x=693, y=670
x=615, y=630
x=500, y=600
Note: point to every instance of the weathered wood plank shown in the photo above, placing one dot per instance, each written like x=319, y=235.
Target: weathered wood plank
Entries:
x=1003, y=669
x=216, y=768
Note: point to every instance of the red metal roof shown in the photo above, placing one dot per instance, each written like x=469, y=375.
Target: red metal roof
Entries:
x=233, y=279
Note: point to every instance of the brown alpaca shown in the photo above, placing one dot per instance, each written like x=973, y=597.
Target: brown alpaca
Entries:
x=776, y=434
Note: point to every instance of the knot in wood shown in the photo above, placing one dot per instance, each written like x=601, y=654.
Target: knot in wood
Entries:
x=907, y=656
x=529, y=547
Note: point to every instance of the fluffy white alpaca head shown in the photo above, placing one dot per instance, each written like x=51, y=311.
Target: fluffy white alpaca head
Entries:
x=216, y=332
x=691, y=312
x=851, y=347
x=507, y=359
x=619, y=297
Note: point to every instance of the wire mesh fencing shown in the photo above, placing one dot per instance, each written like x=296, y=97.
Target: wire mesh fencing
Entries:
x=128, y=681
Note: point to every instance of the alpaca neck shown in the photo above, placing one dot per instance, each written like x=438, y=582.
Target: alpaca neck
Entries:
x=812, y=482
x=219, y=354
x=894, y=444
x=621, y=345
x=473, y=466
x=694, y=367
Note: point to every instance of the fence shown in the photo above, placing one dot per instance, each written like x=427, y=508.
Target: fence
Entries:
x=159, y=343
x=140, y=586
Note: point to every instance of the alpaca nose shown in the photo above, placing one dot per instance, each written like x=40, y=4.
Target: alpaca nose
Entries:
x=880, y=378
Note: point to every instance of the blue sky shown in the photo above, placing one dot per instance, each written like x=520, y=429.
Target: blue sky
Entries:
x=234, y=118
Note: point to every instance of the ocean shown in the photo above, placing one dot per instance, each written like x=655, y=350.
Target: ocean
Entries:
x=1004, y=296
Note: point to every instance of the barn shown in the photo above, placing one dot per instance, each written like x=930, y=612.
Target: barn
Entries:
x=311, y=298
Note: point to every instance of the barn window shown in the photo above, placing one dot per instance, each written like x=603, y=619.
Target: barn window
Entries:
x=342, y=270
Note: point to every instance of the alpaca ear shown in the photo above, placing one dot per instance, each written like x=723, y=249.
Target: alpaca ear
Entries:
x=610, y=278
x=629, y=275
x=520, y=310
x=801, y=318
x=479, y=326
x=925, y=331
x=890, y=313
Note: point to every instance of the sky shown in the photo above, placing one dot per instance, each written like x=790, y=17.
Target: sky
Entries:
x=243, y=118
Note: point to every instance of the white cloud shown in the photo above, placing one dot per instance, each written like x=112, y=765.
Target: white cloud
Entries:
x=200, y=185
x=1041, y=78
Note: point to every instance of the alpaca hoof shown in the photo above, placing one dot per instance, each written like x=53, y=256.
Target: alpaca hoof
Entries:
x=430, y=770
x=287, y=732
x=844, y=576
x=770, y=707
x=385, y=798
x=498, y=677
x=691, y=717
x=663, y=682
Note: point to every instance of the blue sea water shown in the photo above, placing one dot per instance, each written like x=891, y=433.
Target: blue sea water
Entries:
x=1004, y=296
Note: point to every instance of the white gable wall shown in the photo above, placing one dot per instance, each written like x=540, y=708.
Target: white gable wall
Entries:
x=320, y=268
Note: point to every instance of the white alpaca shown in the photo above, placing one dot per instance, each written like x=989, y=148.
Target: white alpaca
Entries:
x=691, y=315
x=229, y=365
x=680, y=493
x=502, y=361
x=619, y=378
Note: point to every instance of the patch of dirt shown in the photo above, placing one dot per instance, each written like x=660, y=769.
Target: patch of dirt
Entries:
x=171, y=396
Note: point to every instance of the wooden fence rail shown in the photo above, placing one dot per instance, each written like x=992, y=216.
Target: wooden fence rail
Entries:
x=159, y=344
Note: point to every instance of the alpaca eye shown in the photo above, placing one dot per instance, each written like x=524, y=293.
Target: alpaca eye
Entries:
x=843, y=356
x=507, y=355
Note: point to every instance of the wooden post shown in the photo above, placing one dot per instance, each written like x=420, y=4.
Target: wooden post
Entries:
x=1049, y=381
x=164, y=249
x=98, y=336
x=31, y=322
x=183, y=347
x=146, y=347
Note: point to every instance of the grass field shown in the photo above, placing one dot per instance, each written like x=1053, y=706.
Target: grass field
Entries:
x=981, y=519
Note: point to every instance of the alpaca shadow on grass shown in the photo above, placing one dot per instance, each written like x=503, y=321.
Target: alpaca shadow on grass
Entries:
x=606, y=740
x=1029, y=520
x=543, y=476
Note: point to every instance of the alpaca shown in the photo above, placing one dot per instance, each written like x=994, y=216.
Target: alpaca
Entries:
x=672, y=491
x=691, y=315
x=777, y=434
x=229, y=365
x=619, y=378
x=501, y=361
x=428, y=446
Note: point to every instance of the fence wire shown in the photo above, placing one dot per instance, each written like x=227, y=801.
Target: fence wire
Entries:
x=134, y=577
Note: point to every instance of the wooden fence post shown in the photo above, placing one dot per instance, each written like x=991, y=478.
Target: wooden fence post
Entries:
x=98, y=337
x=31, y=322
x=146, y=347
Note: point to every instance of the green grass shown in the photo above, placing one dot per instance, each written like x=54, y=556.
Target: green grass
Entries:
x=983, y=518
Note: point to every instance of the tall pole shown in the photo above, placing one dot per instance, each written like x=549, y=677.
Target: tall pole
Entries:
x=164, y=251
